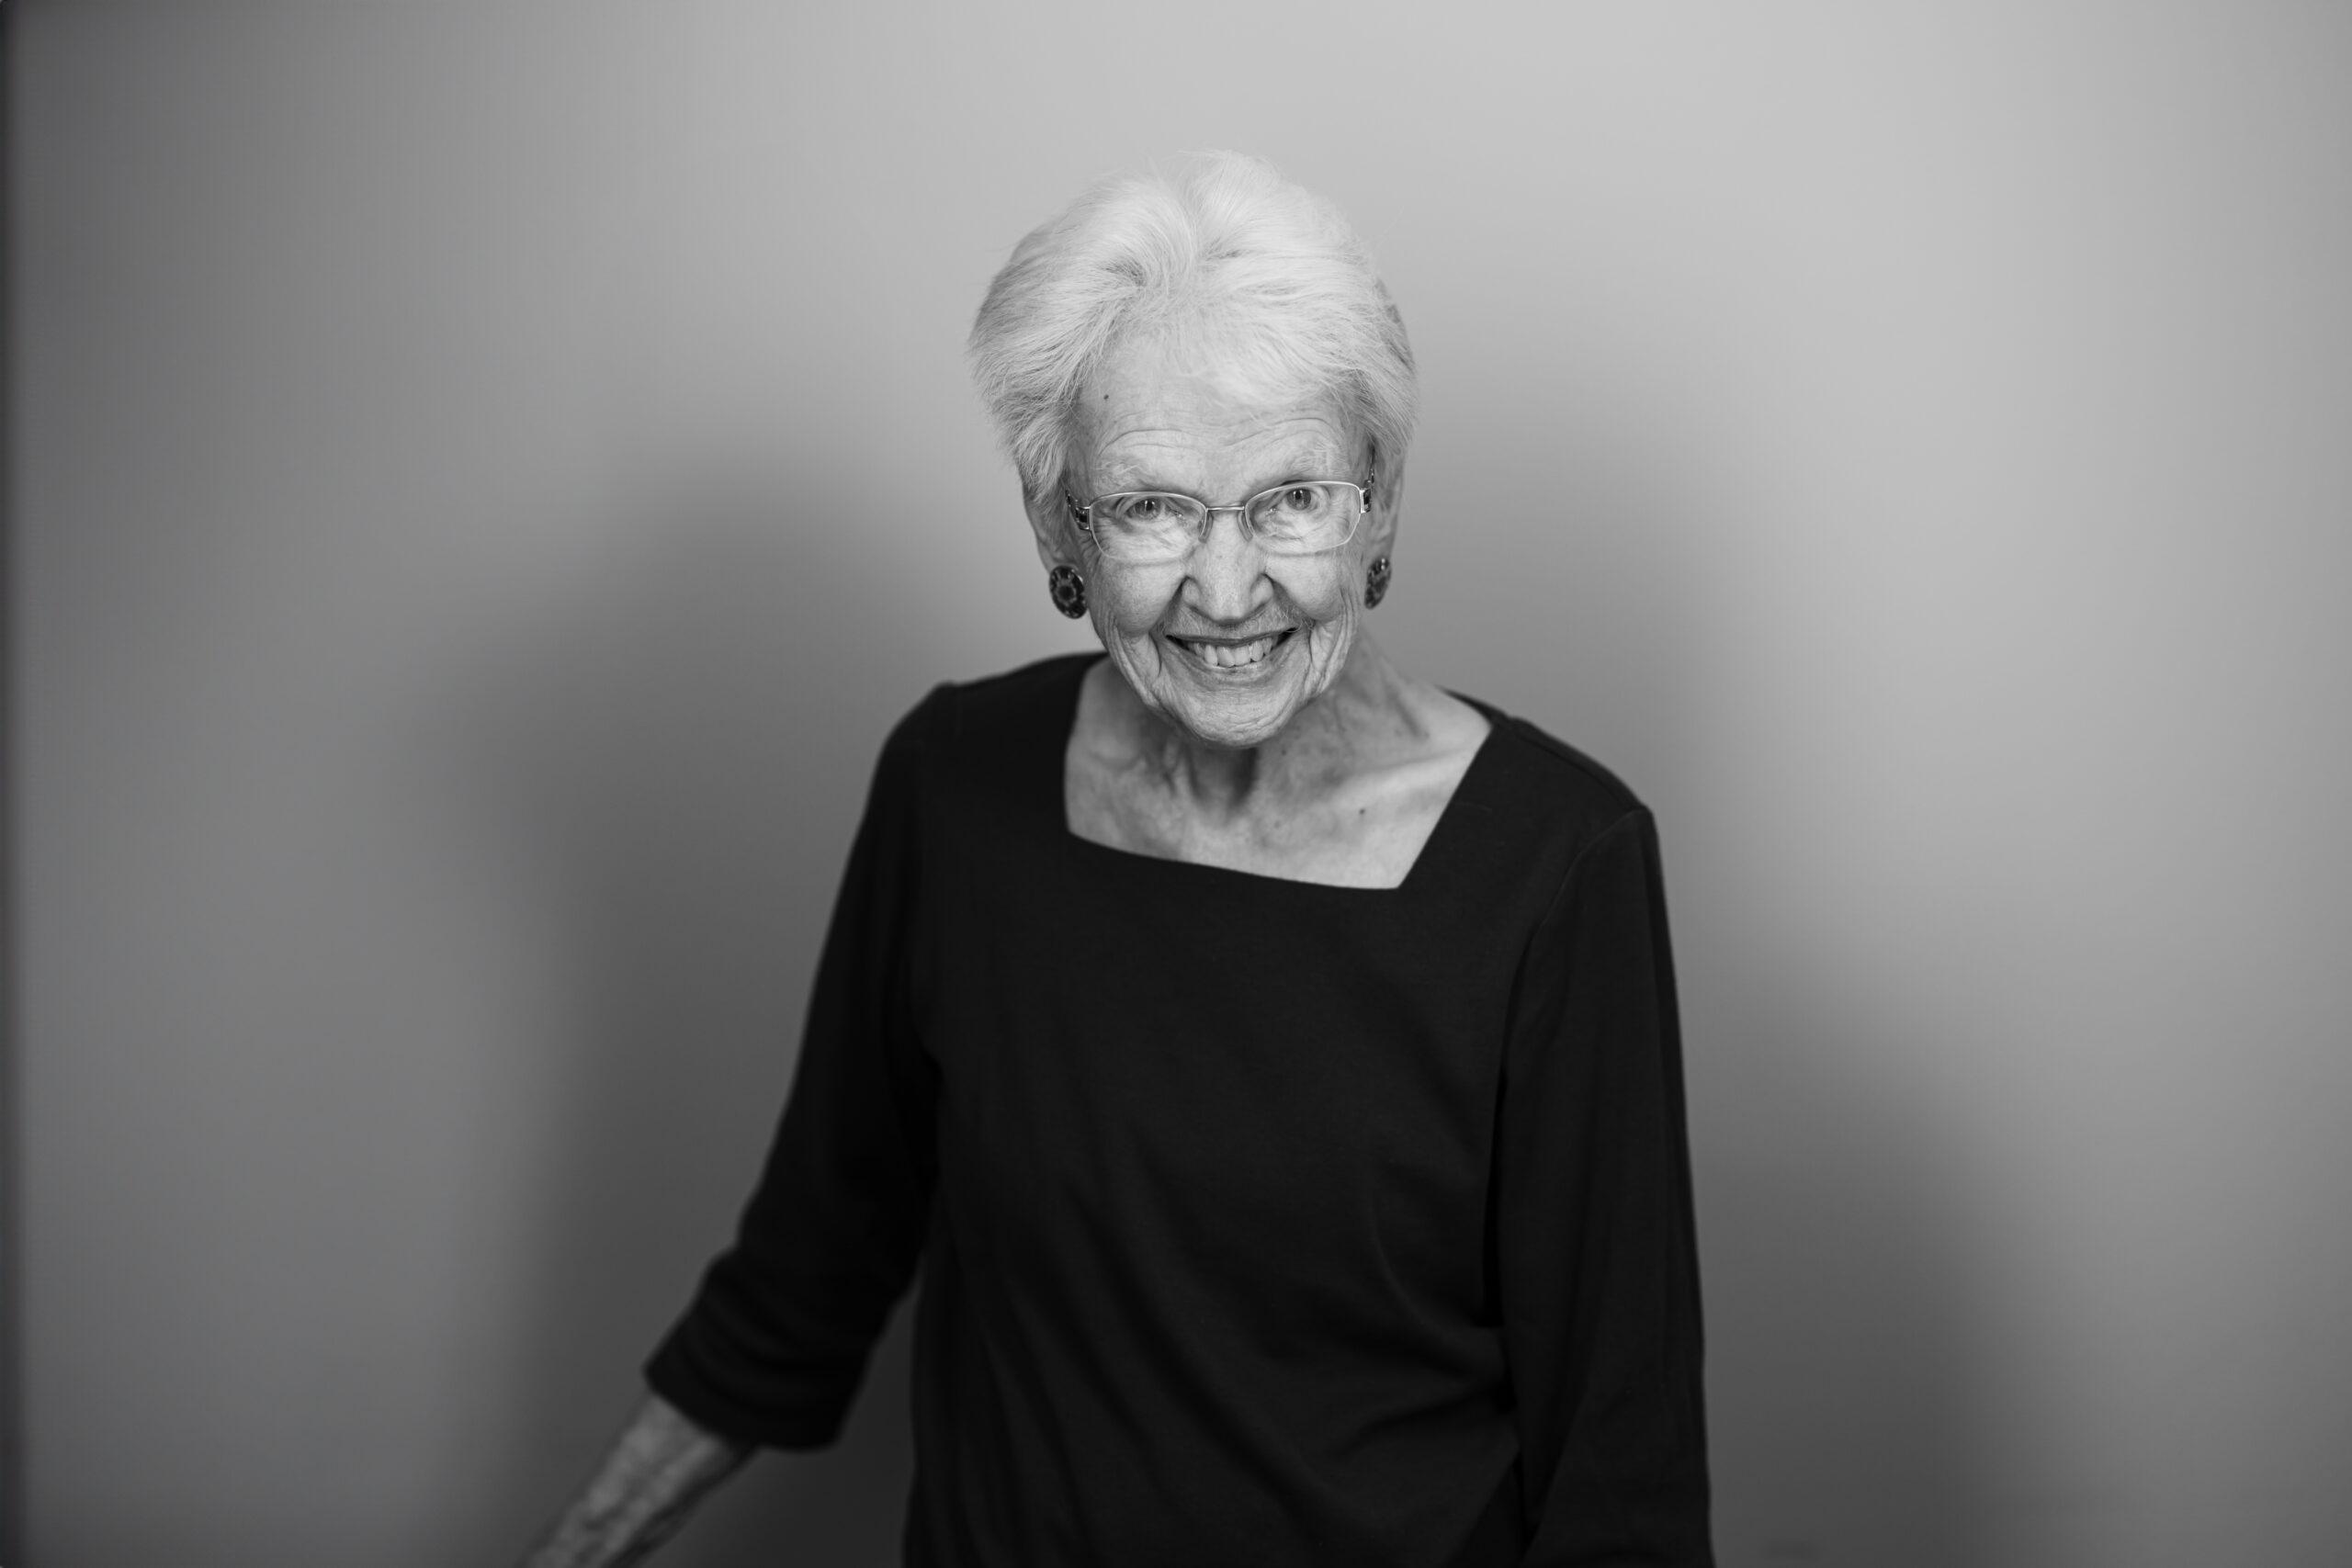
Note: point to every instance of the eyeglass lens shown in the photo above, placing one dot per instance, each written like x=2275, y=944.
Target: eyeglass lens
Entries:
x=1298, y=519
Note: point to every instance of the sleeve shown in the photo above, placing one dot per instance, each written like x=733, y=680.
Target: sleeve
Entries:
x=1596, y=1251
x=774, y=1345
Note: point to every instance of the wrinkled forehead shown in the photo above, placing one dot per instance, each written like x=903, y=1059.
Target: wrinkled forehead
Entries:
x=1206, y=407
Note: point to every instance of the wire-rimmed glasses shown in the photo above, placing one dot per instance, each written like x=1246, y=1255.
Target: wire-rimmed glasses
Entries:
x=1304, y=518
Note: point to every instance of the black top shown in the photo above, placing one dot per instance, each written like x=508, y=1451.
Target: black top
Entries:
x=1262, y=1222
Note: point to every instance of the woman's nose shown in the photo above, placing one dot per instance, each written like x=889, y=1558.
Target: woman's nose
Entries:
x=1226, y=568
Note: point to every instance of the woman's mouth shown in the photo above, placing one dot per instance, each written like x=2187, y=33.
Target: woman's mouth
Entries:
x=1229, y=653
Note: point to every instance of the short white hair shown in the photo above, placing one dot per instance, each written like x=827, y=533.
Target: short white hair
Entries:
x=1213, y=242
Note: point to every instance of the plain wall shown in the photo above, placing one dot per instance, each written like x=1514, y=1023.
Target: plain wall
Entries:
x=485, y=478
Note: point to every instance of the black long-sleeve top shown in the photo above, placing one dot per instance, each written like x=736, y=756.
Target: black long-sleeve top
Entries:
x=1262, y=1222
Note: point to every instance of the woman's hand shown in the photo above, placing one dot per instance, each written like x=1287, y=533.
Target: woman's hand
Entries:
x=660, y=1467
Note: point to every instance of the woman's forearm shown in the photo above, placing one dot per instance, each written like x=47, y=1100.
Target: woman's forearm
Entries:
x=658, y=1468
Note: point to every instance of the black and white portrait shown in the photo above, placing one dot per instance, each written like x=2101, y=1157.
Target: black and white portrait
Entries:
x=1028, y=785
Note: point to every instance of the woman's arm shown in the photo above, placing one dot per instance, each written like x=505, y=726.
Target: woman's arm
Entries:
x=657, y=1471
x=1597, y=1249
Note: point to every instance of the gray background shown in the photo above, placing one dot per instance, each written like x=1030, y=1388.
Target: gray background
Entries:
x=485, y=478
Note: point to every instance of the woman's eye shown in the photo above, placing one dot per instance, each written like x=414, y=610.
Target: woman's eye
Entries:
x=1144, y=509
x=1300, y=498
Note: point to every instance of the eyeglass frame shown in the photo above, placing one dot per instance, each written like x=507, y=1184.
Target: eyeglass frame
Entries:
x=1208, y=513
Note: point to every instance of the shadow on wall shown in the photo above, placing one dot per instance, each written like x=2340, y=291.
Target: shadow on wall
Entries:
x=676, y=748
x=1850, y=1357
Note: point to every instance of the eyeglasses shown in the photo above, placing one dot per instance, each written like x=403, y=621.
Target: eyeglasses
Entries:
x=1146, y=526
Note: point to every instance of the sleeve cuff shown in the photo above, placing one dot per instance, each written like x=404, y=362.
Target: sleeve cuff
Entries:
x=672, y=1373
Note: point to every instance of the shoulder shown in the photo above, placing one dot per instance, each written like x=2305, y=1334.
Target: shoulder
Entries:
x=1571, y=778
x=963, y=731
x=1040, y=692
x=1032, y=700
x=1549, y=800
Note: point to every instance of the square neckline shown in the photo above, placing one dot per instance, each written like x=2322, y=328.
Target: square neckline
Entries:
x=1065, y=714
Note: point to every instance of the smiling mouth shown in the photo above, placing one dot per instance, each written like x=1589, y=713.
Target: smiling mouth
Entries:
x=1228, y=653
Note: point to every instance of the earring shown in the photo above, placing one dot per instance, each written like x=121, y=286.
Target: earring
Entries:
x=1068, y=590
x=1376, y=583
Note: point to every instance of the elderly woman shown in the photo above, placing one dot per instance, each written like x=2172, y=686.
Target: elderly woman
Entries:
x=1268, y=1058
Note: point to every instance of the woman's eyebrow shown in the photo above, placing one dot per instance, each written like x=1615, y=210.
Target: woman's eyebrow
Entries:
x=1137, y=478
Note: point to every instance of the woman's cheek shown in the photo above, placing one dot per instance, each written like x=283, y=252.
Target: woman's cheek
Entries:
x=1318, y=590
x=1133, y=602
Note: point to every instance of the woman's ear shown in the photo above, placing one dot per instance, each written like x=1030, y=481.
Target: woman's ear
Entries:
x=1388, y=486
x=1050, y=521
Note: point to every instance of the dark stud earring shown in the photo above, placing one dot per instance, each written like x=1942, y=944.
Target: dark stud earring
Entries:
x=1068, y=590
x=1376, y=583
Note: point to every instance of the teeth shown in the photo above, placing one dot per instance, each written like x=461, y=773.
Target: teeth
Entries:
x=1232, y=655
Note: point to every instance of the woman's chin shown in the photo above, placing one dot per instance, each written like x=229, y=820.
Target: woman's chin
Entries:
x=1217, y=725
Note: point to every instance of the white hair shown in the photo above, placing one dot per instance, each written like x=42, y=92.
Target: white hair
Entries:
x=1217, y=242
